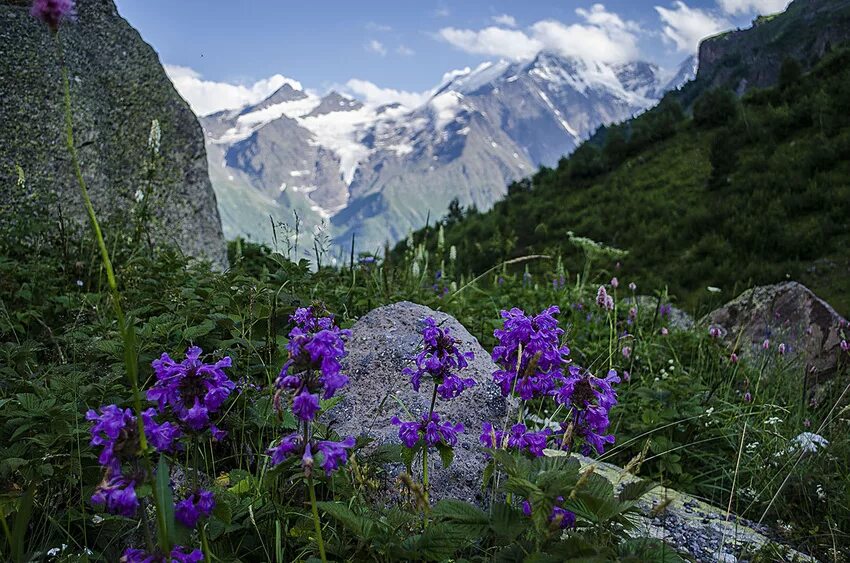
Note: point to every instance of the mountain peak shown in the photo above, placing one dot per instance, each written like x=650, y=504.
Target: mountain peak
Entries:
x=334, y=101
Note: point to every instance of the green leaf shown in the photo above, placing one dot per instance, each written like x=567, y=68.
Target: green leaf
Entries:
x=364, y=528
x=467, y=517
x=507, y=522
x=21, y=524
x=197, y=331
x=634, y=490
x=447, y=454
x=165, y=500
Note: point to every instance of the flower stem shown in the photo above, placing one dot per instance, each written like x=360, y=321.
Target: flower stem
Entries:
x=127, y=333
x=205, y=546
x=316, y=521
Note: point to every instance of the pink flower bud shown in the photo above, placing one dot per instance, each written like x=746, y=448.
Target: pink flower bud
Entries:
x=748, y=398
x=615, y=283
x=766, y=344
x=782, y=349
x=664, y=331
x=733, y=358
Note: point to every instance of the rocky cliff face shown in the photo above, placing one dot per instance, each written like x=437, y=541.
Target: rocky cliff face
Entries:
x=751, y=58
x=118, y=88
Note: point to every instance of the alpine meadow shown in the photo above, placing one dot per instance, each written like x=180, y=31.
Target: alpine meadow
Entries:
x=582, y=298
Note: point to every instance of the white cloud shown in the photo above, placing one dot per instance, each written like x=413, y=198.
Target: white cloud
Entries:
x=505, y=20
x=374, y=95
x=493, y=41
x=753, y=6
x=376, y=46
x=207, y=96
x=405, y=51
x=603, y=37
x=685, y=27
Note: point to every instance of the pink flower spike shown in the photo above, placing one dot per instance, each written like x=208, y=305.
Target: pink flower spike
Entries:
x=53, y=12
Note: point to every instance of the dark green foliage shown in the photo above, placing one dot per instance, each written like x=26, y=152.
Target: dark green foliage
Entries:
x=730, y=198
x=715, y=107
x=789, y=73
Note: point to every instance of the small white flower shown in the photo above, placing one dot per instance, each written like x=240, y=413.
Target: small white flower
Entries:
x=452, y=253
x=752, y=447
x=709, y=411
x=773, y=421
x=415, y=270
x=809, y=442
x=712, y=289
x=79, y=283
x=140, y=196
x=154, y=137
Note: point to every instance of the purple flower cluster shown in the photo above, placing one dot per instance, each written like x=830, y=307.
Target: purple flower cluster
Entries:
x=53, y=12
x=591, y=399
x=116, y=431
x=178, y=555
x=561, y=517
x=529, y=353
x=440, y=359
x=199, y=504
x=604, y=300
x=192, y=389
x=518, y=438
x=428, y=430
x=333, y=454
x=316, y=347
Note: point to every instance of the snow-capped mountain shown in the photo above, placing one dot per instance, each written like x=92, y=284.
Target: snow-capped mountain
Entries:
x=380, y=171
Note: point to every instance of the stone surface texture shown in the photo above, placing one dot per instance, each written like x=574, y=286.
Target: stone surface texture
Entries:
x=382, y=343
x=118, y=86
x=785, y=313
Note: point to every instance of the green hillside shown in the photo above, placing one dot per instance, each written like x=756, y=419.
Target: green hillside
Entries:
x=741, y=192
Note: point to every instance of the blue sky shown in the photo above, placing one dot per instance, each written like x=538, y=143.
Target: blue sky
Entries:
x=220, y=51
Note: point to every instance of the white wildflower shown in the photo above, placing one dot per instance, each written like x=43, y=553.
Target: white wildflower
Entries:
x=154, y=137
x=821, y=493
x=773, y=421
x=415, y=269
x=712, y=289
x=452, y=253
x=809, y=442
x=140, y=196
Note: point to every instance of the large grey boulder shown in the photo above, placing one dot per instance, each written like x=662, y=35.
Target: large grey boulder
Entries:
x=118, y=87
x=382, y=343
x=785, y=313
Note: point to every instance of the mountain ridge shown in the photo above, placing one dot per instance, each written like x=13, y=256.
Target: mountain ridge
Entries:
x=479, y=130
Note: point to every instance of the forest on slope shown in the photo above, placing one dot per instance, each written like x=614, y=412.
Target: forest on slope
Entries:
x=727, y=192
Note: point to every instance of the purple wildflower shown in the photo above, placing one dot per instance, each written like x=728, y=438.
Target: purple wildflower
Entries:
x=178, y=555
x=615, y=283
x=316, y=348
x=782, y=349
x=198, y=505
x=334, y=454
x=604, y=300
x=748, y=398
x=53, y=12
x=733, y=358
x=591, y=399
x=529, y=353
x=561, y=517
x=194, y=390
x=845, y=346
x=627, y=352
x=632, y=287
x=766, y=344
x=429, y=430
x=117, y=493
x=714, y=331
x=440, y=359
x=117, y=431
x=664, y=331
x=518, y=438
